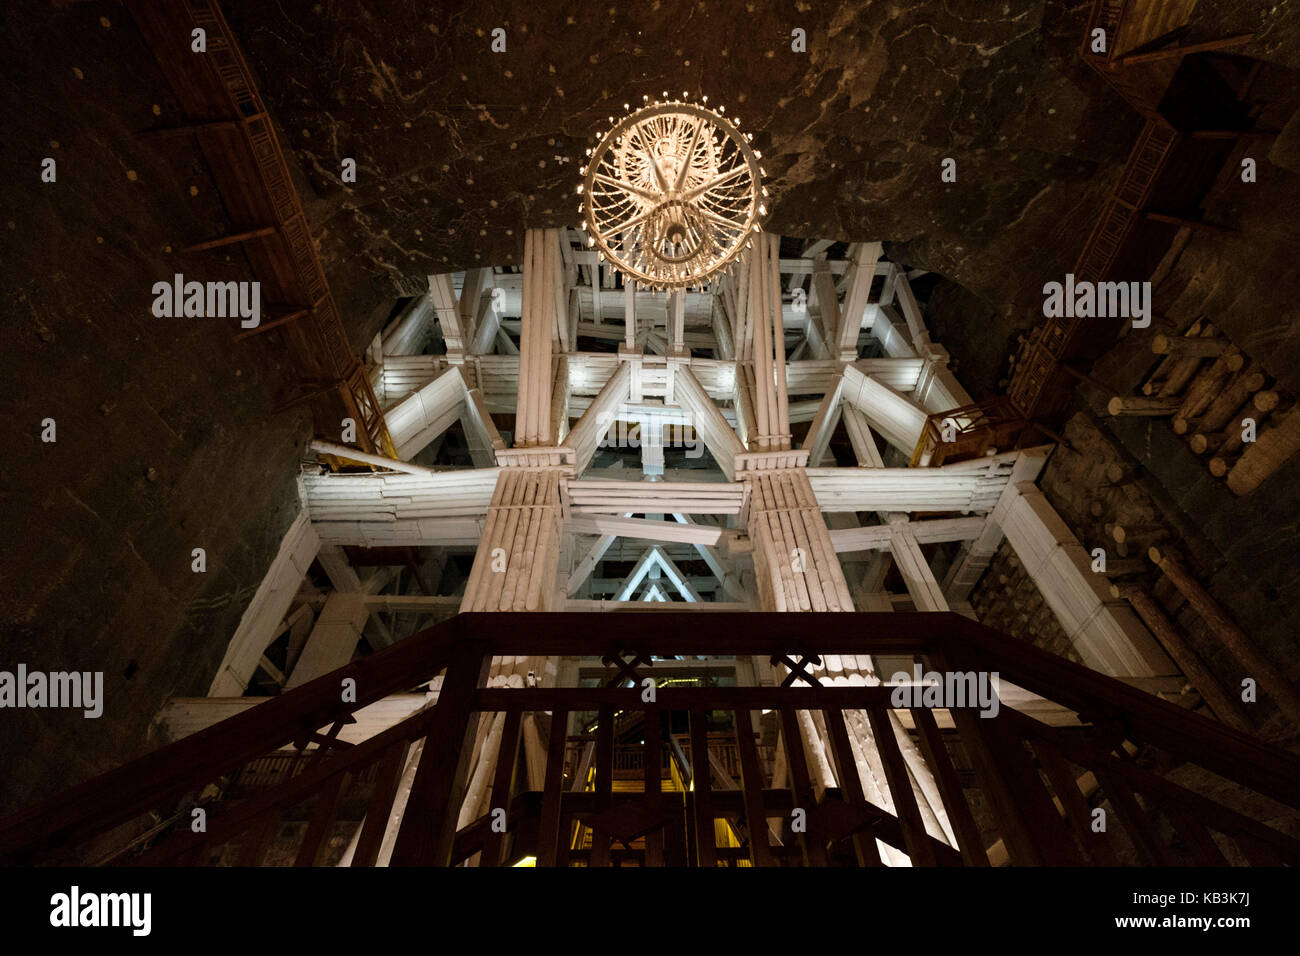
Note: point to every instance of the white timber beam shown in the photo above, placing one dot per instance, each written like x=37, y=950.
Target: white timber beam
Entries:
x=541, y=270
x=333, y=640
x=639, y=570
x=823, y=334
x=911, y=313
x=975, y=555
x=408, y=333
x=722, y=571
x=921, y=584
x=646, y=529
x=590, y=496
x=934, y=531
x=426, y=413
x=679, y=580
x=861, y=275
x=261, y=620
x=968, y=486
x=897, y=418
x=886, y=327
x=481, y=432
x=595, y=422
x=936, y=387
x=859, y=432
x=447, y=308
x=583, y=569
x=823, y=425
x=1106, y=632
x=718, y=436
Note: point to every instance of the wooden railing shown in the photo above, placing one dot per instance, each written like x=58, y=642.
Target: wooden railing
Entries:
x=971, y=431
x=224, y=111
x=1038, y=375
x=1107, y=15
x=1028, y=772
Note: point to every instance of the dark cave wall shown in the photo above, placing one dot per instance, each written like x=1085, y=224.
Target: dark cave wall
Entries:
x=168, y=436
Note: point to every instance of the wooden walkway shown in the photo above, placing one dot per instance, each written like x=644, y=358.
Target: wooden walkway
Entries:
x=1169, y=171
x=223, y=111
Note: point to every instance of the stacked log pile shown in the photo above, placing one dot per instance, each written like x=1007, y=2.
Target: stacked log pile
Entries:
x=1226, y=407
x=1102, y=497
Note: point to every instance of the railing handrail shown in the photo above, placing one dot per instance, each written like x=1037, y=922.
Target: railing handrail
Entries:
x=165, y=774
x=945, y=640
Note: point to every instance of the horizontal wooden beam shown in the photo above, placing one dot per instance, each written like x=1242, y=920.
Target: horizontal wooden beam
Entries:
x=875, y=537
x=646, y=529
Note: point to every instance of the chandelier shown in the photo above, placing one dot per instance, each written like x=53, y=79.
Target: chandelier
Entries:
x=672, y=193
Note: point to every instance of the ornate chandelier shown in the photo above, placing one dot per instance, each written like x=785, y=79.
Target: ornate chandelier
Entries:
x=672, y=193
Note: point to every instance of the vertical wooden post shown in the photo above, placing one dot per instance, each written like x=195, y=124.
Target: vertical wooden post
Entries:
x=503, y=782
x=604, y=783
x=706, y=844
x=801, y=786
x=429, y=824
x=753, y=785
x=548, y=833
x=654, y=840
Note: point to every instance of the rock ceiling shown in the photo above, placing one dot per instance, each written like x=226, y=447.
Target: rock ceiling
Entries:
x=458, y=147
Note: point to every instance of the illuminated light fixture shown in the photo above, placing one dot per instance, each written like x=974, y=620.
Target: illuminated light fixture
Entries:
x=671, y=194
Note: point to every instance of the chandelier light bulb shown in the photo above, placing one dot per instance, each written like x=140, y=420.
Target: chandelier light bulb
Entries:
x=671, y=194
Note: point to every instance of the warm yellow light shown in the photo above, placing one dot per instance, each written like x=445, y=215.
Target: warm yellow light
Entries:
x=671, y=193
x=527, y=861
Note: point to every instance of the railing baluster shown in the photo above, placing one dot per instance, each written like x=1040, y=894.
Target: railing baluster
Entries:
x=256, y=838
x=752, y=784
x=1095, y=844
x=503, y=784
x=1021, y=847
x=387, y=779
x=654, y=840
x=1199, y=841
x=963, y=823
x=548, y=833
x=813, y=842
x=322, y=818
x=600, y=840
x=429, y=825
x=706, y=842
x=1141, y=831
